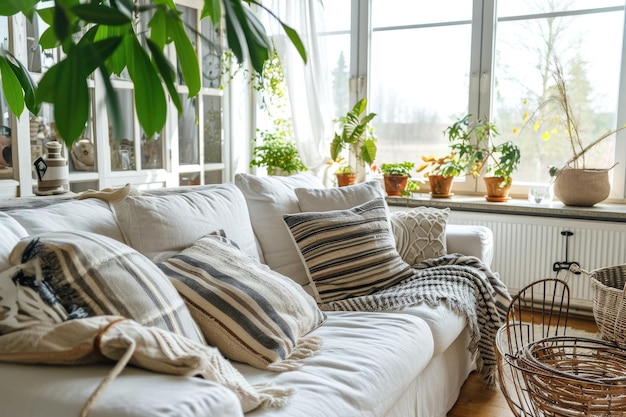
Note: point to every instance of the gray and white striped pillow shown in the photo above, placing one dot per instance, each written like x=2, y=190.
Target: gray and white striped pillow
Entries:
x=348, y=253
x=82, y=274
x=251, y=313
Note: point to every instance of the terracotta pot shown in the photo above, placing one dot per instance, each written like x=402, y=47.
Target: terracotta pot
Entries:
x=395, y=184
x=582, y=187
x=497, y=189
x=440, y=186
x=346, y=179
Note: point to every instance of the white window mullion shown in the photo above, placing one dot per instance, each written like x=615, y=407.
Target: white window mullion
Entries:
x=618, y=190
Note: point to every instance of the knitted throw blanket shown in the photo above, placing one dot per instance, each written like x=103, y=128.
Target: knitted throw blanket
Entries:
x=462, y=283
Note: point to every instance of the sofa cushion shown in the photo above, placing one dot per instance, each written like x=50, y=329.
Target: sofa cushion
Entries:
x=66, y=275
x=348, y=253
x=92, y=215
x=268, y=199
x=251, y=313
x=363, y=369
x=92, y=339
x=420, y=233
x=338, y=198
x=161, y=225
x=445, y=324
x=11, y=232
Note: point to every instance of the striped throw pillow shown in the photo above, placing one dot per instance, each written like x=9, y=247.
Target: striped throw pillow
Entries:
x=348, y=253
x=251, y=313
x=82, y=274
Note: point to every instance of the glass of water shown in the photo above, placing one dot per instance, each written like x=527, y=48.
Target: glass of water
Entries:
x=540, y=194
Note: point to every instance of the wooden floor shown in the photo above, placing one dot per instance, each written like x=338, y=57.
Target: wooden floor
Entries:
x=476, y=401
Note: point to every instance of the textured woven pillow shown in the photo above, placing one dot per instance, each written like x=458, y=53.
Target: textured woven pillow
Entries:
x=65, y=275
x=420, y=233
x=251, y=313
x=348, y=253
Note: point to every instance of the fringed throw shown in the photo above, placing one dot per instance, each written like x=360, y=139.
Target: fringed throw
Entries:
x=463, y=284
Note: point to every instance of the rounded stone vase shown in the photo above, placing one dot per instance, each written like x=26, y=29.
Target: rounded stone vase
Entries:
x=582, y=187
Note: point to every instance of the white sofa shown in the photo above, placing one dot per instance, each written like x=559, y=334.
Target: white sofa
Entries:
x=409, y=363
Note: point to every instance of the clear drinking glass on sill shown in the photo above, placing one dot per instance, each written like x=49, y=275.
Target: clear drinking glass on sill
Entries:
x=540, y=194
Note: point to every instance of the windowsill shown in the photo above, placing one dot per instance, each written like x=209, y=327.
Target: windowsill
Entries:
x=515, y=206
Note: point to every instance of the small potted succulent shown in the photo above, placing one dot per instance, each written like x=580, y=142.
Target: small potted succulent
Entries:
x=396, y=177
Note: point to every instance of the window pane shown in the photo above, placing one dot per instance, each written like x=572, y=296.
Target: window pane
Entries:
x=123, y=148
x=151, y=151
x=212, y=129
x=419, y=90
x=386, y=12
x=588, y=47
x=39, y=60
x=188, y=132
x=211, y=57
x=337, y=40
x=507, y=8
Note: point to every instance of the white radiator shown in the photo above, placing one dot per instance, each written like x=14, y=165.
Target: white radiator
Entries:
x=526, y=248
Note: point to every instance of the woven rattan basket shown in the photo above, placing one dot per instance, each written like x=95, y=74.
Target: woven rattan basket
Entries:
x=572, y=376
x=609, y=302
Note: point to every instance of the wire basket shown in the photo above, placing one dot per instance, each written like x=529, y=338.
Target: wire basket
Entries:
x=573, y=376
x=609, y=302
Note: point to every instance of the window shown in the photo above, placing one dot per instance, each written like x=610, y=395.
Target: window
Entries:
x=423, y=66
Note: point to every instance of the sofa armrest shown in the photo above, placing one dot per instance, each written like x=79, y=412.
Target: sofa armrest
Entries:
x=470, y=240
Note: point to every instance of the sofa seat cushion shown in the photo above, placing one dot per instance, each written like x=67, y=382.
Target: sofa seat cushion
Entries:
x=445, y=325
x=61, y=391
x=11, y=232
x=363, y=367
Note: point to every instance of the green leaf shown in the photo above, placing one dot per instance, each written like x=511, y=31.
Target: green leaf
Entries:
x=150, y=102
x=47, y=84
x=112, y=103
x=116, y=62
x=186, y=53
x=48, y=39
x=168, y=75
x=158, y=28
x=259, y=44
x=61, y=24
x=368, y=151
x=27, y=84
x=336, y=146
x=71, y=101
x=47, y=15
x=11, y=7
x=233, y=30
x=104, y=15
x=11, y=87
x=212, y=9
x=295, y=40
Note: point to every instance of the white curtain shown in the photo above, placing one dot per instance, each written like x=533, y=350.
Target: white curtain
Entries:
x=308, y=85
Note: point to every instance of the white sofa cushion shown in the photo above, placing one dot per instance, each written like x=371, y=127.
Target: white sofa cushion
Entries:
x=420, y=233
x=339, y=198
x=367, y=361
x=445, y=325
x=268, y=199
x=72, y=275
x=251, y=313
x=91, y=215
x=161, y=225
x=348, y=253
x=471, y=240
x=11, y=232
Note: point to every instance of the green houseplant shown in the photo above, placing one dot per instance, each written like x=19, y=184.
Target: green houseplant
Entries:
x=102, y=36
x=355, y=136
x=396, y=178
x=278, y=154
x=473, y=143
x=440, y=172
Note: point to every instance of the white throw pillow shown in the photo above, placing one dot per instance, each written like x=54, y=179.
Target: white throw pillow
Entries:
x=160, y=225
x=420, y=233
x=92, y=215
x=11, y=232
x=268, y=199
x=340, y=198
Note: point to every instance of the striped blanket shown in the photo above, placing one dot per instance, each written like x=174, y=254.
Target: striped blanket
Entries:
x=462, y=283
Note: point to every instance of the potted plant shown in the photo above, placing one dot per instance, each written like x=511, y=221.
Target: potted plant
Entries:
x=356, y=137
x=575, y=184
x=473, y=142
x=277, y=153
x=396, y=177
x=440, y=172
